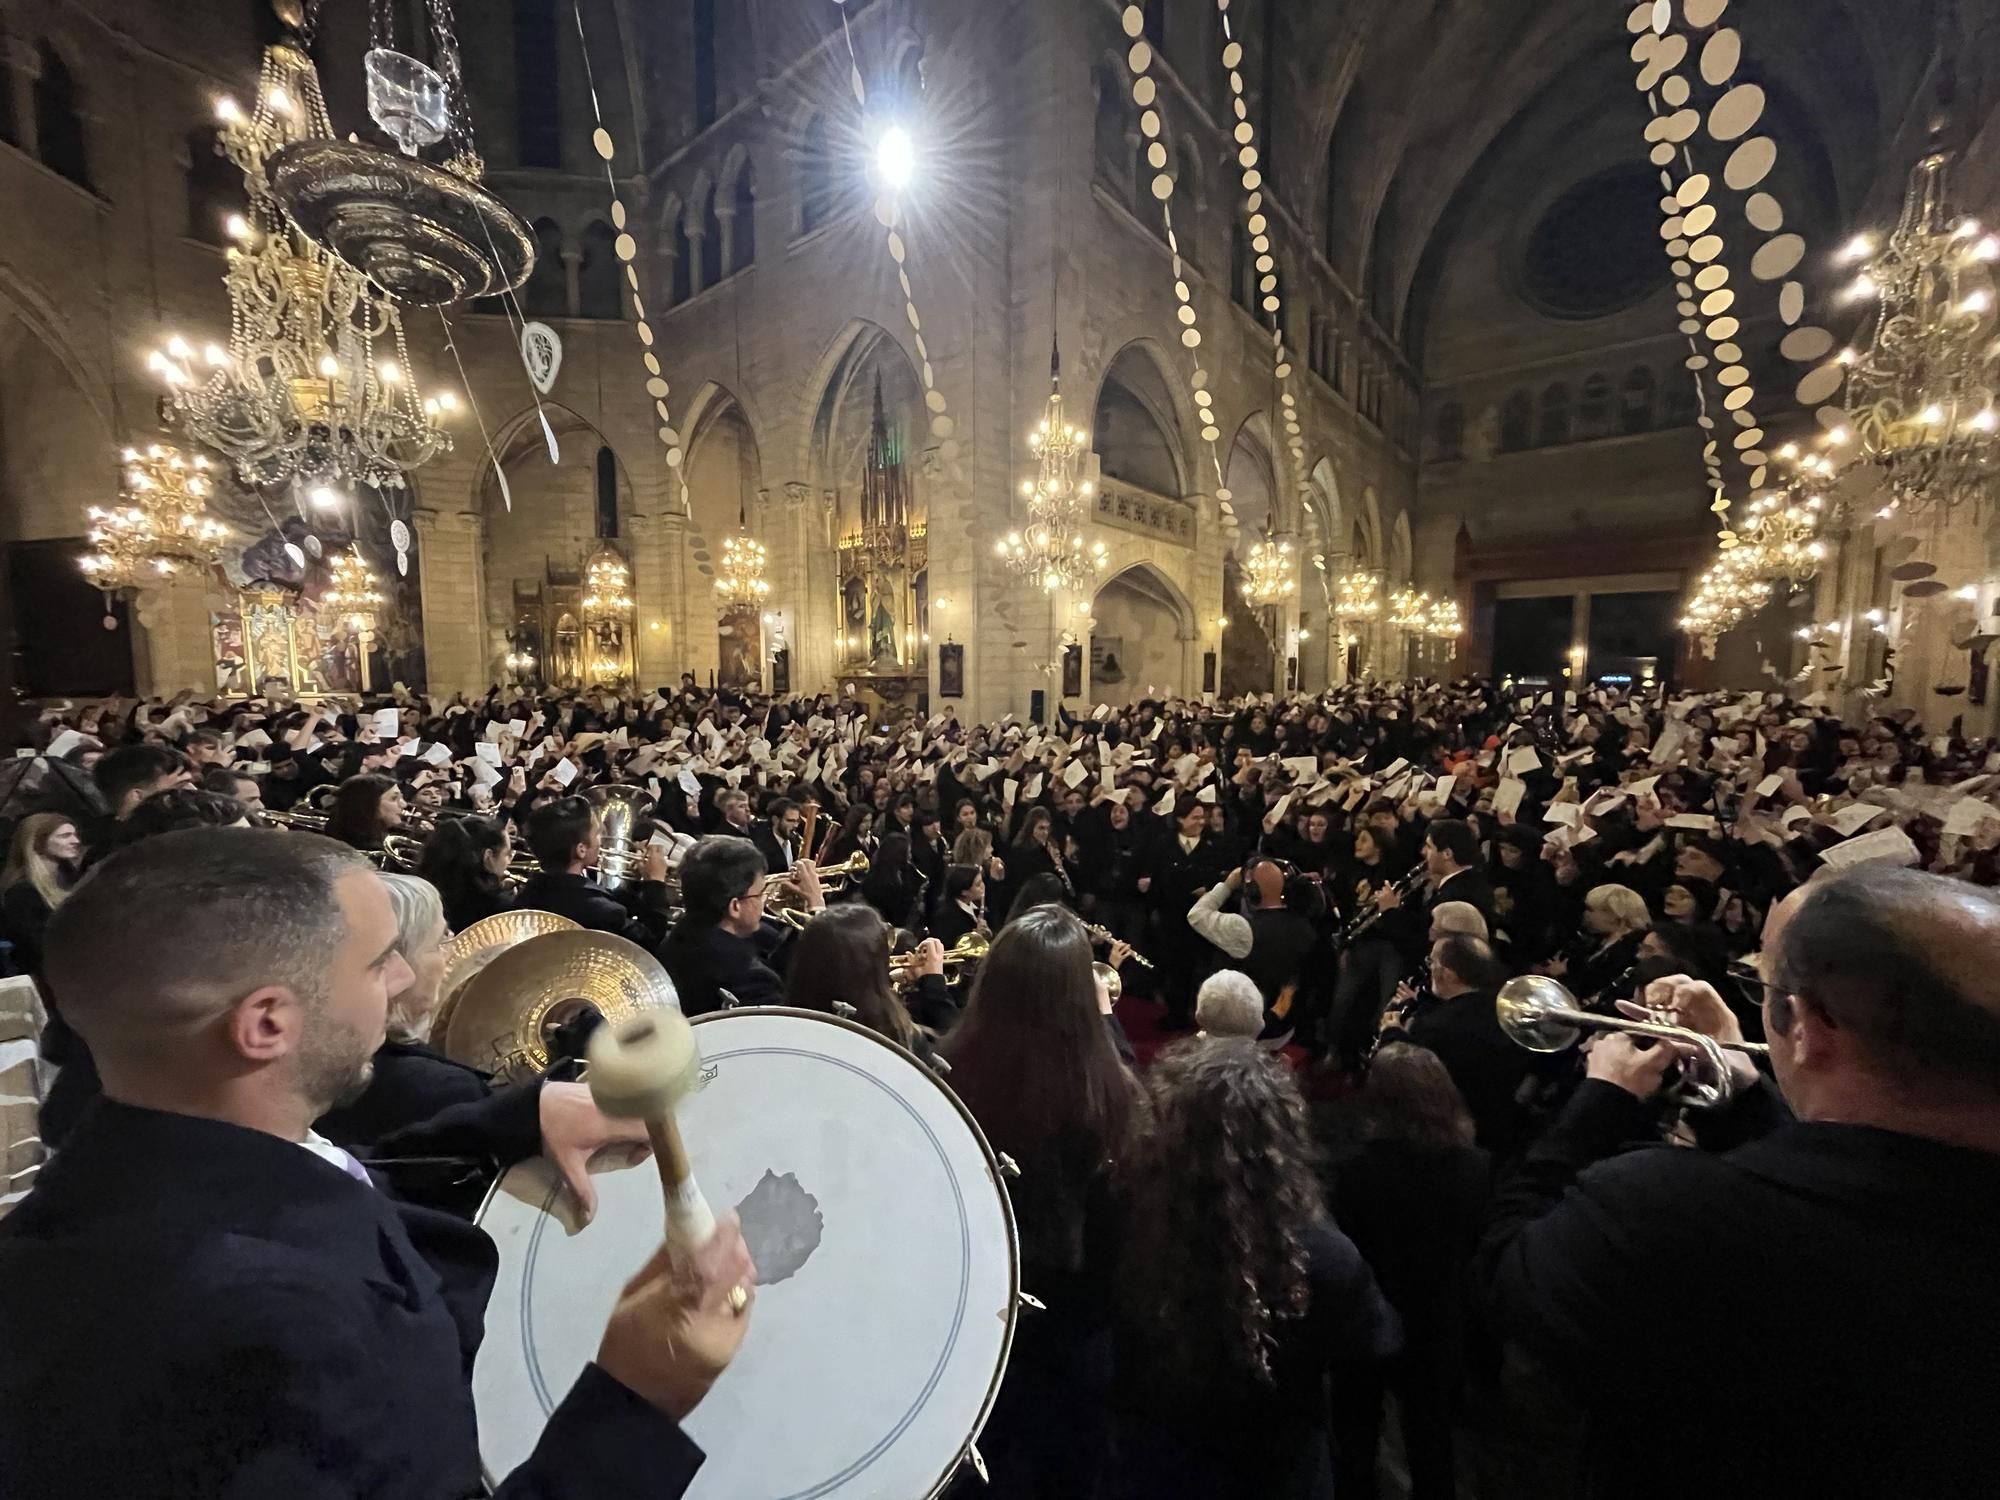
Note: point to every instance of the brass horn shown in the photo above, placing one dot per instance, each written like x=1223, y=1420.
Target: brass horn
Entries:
x=1542, y=1015
x=967, y=951
x=620, y=811
x=836, y=877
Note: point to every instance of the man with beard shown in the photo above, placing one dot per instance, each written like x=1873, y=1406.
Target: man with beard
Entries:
x=203, y=1297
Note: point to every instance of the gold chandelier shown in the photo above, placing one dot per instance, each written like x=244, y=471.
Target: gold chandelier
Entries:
x=353, y=593
x=1735, y=587
x=1442, y=621
x=1269, y=577
x=1357, y=597
x=315, y=383
x=607, y=586
x=162, y=526
x=1051, y=549
x=742, y=580
x=1919, y=400
x=1409, y=610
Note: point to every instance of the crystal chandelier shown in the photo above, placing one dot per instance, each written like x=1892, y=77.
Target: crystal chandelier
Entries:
x=162, y=526
x=1919, y=401
x=607, y=586
x=353, y=593
x=742, y=579
x=1051, y=549
x=1442, y=621
x=1734, y=587
x=1409, y=610
x=1269, y=578
x=1780, y=535
x=1357, y=597
x=315, y=384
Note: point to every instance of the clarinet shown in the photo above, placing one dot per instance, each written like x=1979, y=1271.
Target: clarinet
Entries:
x=1392, y=1016
x=1358, y=928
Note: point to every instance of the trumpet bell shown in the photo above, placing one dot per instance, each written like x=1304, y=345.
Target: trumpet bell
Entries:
x=506, y=1017
x=1531, y=1009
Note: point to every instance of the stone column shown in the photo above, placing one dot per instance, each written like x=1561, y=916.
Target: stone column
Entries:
x=451, y=566
x=725, y=214
x=573, y=281
x=656, y=544
x=178, y=643
x=697, y=284
x=25, y=65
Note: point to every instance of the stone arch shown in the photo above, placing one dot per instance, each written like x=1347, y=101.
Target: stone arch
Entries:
x=1149, y=617
x=1368, y=521
x=1135, y=428
x=839, y=397
x=677, y=250
x=736, y=201
x=724, y=471
x=1250, y=473
x=1401, y=558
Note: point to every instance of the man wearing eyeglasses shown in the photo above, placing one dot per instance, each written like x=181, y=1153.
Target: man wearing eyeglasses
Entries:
x=722, y=952
x=1818, y=1304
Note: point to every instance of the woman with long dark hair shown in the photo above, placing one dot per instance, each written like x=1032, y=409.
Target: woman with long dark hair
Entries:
x=894, y=885
x=1411, y=1192
x=1035, y=852
x=467, y=860
x=364, y=809
x=1033, y=1062
x=840, y=963
x=1238, y=1293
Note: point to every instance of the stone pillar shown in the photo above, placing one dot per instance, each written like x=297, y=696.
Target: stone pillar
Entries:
x=696, y=284
x=658, y=546
x=451, y=565
x=572, y=281
x=25, y=64
x=179, y=644
x=725, y=214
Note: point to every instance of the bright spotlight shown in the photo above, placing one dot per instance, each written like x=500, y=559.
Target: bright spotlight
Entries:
x=895, y=158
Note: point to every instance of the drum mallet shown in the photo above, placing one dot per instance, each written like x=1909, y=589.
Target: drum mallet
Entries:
x=641, y=1071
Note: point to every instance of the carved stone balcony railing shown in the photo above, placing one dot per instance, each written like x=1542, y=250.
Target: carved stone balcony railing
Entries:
x=1126, y=507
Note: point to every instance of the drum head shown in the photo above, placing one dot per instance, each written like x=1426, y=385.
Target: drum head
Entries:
x=887, y=1269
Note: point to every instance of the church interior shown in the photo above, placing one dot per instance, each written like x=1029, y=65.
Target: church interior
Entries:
x=999, y=357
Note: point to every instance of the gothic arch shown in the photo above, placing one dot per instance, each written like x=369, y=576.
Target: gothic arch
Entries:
x=1401, y=560
x=724, y=472
x=1135, y=411
x=833, y=425
x=519, y=442
x=1149, y=580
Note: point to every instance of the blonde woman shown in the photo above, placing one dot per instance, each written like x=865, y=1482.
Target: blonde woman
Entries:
x=41, y=867
x=1615, y=920
x=445, y=1121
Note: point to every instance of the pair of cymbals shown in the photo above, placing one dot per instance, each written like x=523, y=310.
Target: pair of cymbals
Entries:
x=534, y=978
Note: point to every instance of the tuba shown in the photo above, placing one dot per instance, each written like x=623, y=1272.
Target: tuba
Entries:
x=620, y=811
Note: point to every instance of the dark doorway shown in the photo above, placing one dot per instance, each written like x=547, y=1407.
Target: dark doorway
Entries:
x=1632, y=635
x=1531, y=637
x=61, y=648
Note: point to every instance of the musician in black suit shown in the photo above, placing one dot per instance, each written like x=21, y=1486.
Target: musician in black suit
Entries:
x=1451, y=859
x=1457, y=1022
x=777, y=837
x=565, y=838
x=202, y=1297
x=722, y=951
x=1867, y=1216
x=962, y=908
x=1181, y=869
x=931, y=854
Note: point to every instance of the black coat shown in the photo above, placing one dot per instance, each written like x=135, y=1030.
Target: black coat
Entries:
x=637, y=912
x=191, y=1308
x=704, y=961
x=1465, y=1033
x=951, y=923
x=779, y=855
x=1470, y=886
x=1855, y=1270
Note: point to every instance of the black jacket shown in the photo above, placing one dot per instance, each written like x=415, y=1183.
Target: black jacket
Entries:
x=778, y=856
x=1488, y=1068
x=190, y=1308
x=1855, y=1270
x=1470, y=886
x=951, y=923
x=638, y=912
x=704, y=961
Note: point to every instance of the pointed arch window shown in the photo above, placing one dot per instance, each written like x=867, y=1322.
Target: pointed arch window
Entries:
x=607, y=493
x=537, y=84
x=58, y=123
x=743, y=226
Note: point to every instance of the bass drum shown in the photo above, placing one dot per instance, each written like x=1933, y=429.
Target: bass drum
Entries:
x=888, y=1269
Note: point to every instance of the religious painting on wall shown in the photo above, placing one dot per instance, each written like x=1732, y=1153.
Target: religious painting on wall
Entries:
x=739, y=648
x=1072, y=671
x=951, y=670
x=1208, y=671
x=781, y=671
x=1107, y=660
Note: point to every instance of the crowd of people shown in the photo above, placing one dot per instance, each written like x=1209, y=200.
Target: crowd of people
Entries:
x=1296, y=1178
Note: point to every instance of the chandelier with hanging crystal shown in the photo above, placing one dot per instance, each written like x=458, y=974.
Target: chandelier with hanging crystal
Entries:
x=1050, y=549
x=741, y=579
x=607, y=586
x=1736, y=585
x=1357, y=597
x=352, y=593
x=1442, y=620
x=1919, y=405
x=162, y=526
x=314, y=384
x=1409, y=610
x=1269, y=576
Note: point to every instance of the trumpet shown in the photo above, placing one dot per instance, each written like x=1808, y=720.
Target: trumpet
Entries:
x=832, y=879
x=1107, y=937
x=968, y=950
x=1540, y=1014
x=304, y=822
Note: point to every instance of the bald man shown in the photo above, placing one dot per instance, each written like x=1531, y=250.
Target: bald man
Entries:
x=1815, y=1309
x=202, y=1298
